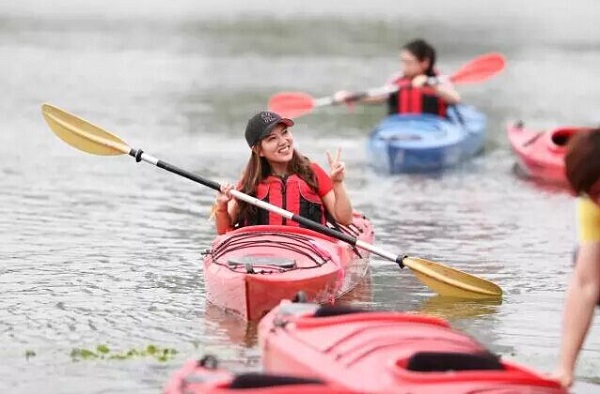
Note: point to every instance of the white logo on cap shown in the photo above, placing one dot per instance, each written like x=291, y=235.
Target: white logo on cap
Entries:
x=268, y=117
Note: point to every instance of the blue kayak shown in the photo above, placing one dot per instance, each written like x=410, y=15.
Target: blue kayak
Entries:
x=411, y=142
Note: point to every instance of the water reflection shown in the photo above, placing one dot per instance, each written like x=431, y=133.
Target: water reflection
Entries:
x=235, y=330
x=453, y=309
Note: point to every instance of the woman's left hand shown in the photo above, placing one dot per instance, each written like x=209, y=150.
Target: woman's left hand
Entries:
x=419, y=81
x=565, y=378
x=338, y=168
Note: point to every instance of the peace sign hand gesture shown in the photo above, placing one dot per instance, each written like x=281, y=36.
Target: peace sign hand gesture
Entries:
x=338, y=168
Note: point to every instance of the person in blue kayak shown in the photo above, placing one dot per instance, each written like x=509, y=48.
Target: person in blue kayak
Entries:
x=277, y=173
x=582, y=164
x=419, y=88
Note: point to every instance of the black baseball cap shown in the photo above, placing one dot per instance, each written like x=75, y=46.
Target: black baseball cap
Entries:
x=261, y=124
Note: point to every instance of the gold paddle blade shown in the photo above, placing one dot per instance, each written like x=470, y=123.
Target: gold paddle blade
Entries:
x=81, y=134
x=451, y=282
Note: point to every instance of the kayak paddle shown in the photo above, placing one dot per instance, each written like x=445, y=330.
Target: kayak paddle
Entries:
x=295, y=104
x=89, y=138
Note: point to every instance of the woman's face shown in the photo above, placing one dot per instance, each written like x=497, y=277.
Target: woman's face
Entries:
x=278, y=146
x=411, y=66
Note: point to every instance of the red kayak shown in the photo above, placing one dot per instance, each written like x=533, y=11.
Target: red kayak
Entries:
x=244, y=334
x=205, y=377
x=387, y=352
x=541, y=154
x=250, y=270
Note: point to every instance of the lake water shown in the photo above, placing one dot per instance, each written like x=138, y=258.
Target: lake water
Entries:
x=106, y=251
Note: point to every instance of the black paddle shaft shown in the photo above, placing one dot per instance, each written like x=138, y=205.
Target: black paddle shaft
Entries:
x=139, y=155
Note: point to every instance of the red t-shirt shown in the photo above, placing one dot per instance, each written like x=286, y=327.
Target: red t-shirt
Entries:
x=324, y=183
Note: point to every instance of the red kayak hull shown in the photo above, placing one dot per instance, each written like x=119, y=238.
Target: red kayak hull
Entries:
x=284, y=261
x=372, y=352
x=195, y=378
x=541, y=154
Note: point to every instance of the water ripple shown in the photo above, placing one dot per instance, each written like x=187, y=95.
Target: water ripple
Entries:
x=101, y=250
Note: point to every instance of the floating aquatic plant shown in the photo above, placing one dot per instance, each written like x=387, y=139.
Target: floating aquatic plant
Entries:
x=103, y=352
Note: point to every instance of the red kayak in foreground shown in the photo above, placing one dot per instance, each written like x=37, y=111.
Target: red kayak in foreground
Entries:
x=541, y=154
x=386, y=352
x=250, y=270
x=203, y=376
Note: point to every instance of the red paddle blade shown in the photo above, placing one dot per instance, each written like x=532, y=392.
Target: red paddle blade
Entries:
x=291, y=104
x=479, y=69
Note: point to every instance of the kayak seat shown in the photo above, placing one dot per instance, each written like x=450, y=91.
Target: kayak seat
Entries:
x=452, y=361
x=328, y=310
x=560, y=140
x=257, y=380
x=401, y=137
x=257, y=261
x=561, y=137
